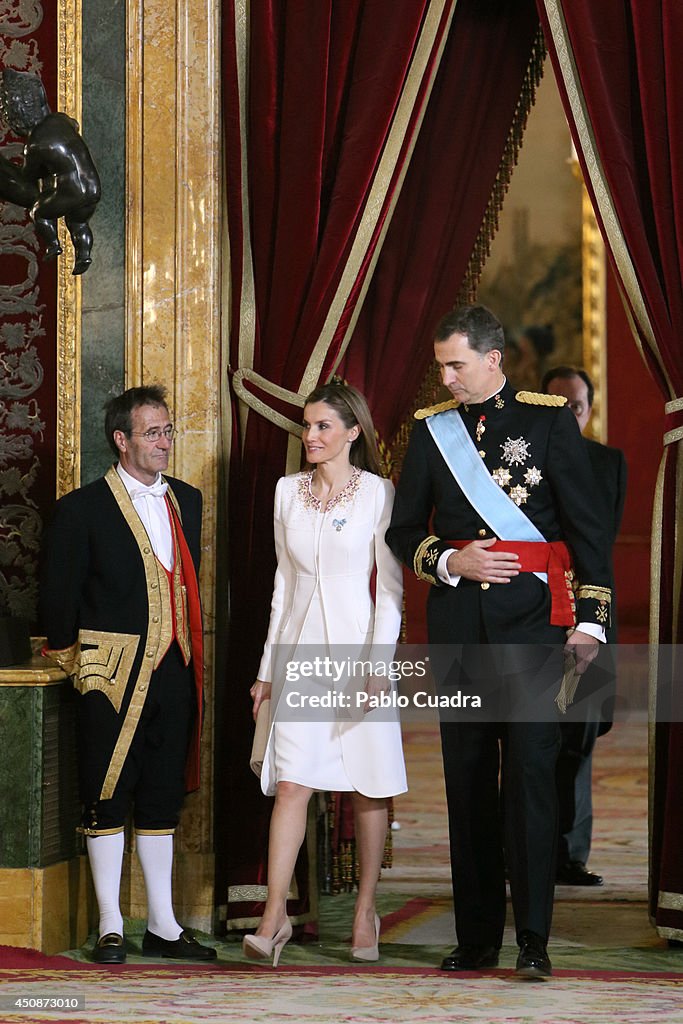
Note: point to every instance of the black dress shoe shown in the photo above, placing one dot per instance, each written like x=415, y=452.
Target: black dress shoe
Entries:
x=533, y=960
x=185, y=947
x=110, y=949
x=470, y=958
x=575, y=872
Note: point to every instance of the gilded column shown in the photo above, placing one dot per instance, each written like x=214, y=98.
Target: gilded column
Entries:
x=69, y=92
x=173, y=222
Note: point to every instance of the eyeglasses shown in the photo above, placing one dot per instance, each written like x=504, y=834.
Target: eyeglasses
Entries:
x=155, y=434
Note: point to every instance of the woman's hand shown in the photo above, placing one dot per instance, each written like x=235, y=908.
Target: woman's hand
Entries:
x=375, y=686
x=260, y=691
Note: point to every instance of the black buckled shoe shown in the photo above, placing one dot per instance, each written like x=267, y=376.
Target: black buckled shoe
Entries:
x=110, y=949
x=185, y=947
x=575, y=872
x=533, y=961
x=470, y=958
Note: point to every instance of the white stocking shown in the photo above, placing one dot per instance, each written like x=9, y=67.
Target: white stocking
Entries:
x=105, y=854
x=156, y=858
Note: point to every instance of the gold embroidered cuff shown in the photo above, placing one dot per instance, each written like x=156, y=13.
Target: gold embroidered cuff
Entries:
x=426, y=557
x=595, y=605
x=154, y=831
x=599, y=593
x=106, y=663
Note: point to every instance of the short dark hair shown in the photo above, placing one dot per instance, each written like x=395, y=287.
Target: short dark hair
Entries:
x=352, y=408
x=483, y=330
x=566, y=373
x=118, y=410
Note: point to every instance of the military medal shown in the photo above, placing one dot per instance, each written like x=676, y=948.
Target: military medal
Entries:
x=519, y=495
x=515, y=452
x=480, y=428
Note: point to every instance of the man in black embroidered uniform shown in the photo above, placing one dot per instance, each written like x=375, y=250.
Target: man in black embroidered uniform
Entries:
x=494, y=466
x=575, y=760
x=119, y=604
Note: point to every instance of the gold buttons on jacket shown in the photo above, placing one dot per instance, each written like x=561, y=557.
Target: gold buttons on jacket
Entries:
x=482, y=533
x=485, y=586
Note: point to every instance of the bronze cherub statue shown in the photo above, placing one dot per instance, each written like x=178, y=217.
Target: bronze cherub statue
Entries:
x=58, y=177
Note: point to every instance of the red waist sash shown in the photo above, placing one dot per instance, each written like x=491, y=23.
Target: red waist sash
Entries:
x=552, y=558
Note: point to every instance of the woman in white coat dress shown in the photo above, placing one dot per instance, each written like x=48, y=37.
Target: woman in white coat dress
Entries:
x=330, y=523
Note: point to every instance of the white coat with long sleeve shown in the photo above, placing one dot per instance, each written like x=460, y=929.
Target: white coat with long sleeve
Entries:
x=322, y=606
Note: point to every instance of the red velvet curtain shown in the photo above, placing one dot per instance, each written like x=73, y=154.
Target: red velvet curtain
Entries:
x=425, y=256
x=321, y=102
x=619, y=69
x=307, y=130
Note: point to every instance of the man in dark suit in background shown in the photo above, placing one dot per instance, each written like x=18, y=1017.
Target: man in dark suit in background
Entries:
x=119, y=604
x=575, y=761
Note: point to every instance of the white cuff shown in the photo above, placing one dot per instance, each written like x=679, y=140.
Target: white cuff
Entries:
x=442, y=570
x=593, y=629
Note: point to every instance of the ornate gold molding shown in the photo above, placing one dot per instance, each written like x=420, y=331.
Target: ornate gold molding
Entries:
x=173, y=293
x=69, y=92
x=594, y=314
x=134, y=190
x=594, y=307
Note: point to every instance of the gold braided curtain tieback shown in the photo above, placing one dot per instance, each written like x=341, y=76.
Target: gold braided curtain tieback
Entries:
x=675, y=431
x=275, y=391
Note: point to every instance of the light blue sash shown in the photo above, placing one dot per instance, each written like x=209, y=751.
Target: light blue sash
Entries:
x=494, y=506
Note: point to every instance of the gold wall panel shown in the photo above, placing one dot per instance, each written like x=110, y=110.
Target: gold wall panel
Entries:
x=173, y=221
x=69, y=93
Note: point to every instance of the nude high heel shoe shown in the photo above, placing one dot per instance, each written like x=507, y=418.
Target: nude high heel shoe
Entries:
x=258, y=947
x=368, y=953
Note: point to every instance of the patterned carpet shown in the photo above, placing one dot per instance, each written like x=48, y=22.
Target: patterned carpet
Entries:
x=610, y=965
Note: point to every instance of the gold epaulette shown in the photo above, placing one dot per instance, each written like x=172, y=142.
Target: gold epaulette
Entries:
x=432, y=410
x=536, y=398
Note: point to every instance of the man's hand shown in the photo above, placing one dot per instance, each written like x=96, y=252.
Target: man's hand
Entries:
x=260, y=691
x=582, y=648
x=475, y=562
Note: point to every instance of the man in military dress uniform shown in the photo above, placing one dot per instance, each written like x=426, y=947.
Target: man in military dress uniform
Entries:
x=516, y=556
x=119, y=603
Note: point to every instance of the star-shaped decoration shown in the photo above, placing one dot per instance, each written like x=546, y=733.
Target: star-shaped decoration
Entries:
x=519, y=495
x=500, y=402
x=533, y=476
x=515, y=452
x=502, y=476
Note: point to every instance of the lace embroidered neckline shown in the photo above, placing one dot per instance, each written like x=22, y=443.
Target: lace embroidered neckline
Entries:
x=346, y=494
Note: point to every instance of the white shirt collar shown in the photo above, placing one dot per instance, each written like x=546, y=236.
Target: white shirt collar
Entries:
x=131, y=484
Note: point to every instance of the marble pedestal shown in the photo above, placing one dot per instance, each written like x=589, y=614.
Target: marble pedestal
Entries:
x=43, y=876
